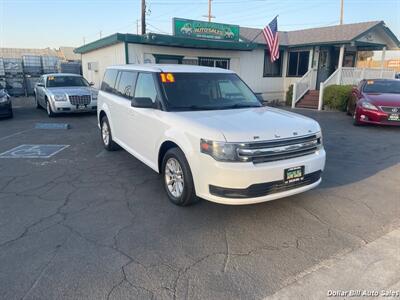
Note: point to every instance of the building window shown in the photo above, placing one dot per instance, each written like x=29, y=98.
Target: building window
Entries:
x=298, y=63
x=272, y=69
x=214, y=62
x=168, y=59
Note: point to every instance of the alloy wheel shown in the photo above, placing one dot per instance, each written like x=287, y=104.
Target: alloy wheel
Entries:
x=105, y=133
x=174, y=178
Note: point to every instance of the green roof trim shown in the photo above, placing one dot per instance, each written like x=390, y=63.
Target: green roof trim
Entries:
x=165, y=40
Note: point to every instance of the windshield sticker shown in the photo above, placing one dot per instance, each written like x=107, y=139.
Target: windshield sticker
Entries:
x=50, y=78
x=370, y=82
x=167, y=78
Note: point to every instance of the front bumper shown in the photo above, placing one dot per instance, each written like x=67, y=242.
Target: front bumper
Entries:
x=247, y=183
x=366, y=116
x=5, y=109
x=67, y=107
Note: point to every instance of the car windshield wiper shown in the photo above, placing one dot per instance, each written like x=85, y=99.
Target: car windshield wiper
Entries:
x=238, y=105
x=196, y=107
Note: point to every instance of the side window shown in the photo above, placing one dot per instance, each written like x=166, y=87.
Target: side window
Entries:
x=228, y=89
x=126, y=84
x=109, y=81
x=145, y=87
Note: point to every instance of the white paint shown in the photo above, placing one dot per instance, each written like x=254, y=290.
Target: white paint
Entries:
x=104, y=57
x=142, y=131
x=32, y=151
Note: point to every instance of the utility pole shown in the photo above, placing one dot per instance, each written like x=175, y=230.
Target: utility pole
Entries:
x=100, y=33
x=341, y=11
x=137, y=26
x=209, y=16
x=143, y=16
x=84, y=41
x=209, y=10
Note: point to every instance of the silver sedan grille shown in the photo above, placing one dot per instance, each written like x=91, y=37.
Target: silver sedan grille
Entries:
x=80, y=100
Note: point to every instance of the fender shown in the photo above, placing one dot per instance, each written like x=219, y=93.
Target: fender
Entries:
x=104, y=107
x=179, y=138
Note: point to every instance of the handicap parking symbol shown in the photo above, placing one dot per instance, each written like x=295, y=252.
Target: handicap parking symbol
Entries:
x=33, y=151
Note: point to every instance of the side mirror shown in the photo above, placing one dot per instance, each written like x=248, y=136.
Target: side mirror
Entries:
x=91, y=83
x=143, y=102
x=259, y=97
x=40, y=84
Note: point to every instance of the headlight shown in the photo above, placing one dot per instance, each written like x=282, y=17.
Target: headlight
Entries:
x=368, y=105
x=320, y=140
x=94, y=96
x=4, y=99
x=220, y=151
x=60, y=97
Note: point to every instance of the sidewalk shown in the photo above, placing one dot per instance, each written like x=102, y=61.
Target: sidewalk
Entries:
x=371, y=272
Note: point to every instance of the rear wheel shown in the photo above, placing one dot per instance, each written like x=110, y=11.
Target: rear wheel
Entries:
x=106, y=135
x=178, y=180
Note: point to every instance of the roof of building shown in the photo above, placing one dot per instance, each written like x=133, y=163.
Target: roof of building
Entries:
x=165, y=40
x=250, y=37
x=170, y=68
x=322, y=35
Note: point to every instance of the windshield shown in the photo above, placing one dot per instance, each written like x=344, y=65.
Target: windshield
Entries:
x=382, y=86
x=203, y=91
x=65, y=81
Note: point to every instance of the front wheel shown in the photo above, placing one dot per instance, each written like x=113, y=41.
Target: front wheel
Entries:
x=356, y=122
x=49, y=110
x=178, y=180
x=37, y=102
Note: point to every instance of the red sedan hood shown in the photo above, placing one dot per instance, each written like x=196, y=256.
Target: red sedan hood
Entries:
x=383, y=99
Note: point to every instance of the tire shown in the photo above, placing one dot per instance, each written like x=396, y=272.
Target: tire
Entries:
x=175, y=168
x=49, y=110
x=355, y=121
x=106, y=135
x=37, y=102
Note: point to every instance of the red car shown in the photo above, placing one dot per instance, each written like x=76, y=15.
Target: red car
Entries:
x=376, y=101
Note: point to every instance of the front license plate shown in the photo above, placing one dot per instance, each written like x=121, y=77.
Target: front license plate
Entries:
x=294, y=174
x=394, y=117
x=81, y=106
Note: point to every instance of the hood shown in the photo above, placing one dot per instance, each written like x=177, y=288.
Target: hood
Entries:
x=74, y=90
x=379, y=99
x=253, y=124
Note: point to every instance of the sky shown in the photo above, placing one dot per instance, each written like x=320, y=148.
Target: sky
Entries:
x=55, y=23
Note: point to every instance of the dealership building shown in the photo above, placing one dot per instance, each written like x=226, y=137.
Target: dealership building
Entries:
x=307, y=57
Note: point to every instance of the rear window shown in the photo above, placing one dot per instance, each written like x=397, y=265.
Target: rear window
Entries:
x=382, y=86
x=109, y=79
x=126, y=84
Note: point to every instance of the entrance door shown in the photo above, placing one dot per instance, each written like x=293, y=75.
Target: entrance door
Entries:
x=324, y=62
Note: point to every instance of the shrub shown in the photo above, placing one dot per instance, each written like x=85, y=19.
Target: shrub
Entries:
x=337, y=96
x=289, y=95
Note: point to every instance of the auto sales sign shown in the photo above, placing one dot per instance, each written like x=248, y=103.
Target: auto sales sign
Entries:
x=205, y=30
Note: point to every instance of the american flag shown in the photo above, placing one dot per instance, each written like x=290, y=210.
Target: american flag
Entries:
x=270, y=33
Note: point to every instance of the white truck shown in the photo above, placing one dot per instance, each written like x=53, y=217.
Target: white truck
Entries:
x=208, y=135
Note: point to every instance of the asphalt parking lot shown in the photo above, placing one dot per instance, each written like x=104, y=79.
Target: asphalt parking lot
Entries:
x=86, y=223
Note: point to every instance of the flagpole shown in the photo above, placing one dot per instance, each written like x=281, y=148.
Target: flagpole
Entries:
x=260, y=32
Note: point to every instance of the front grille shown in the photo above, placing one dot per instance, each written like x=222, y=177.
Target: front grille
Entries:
x=390, y=109
x=264, y=189
x=80, y=100
x=260, y=152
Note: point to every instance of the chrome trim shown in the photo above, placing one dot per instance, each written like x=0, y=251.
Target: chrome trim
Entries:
x=280, y=149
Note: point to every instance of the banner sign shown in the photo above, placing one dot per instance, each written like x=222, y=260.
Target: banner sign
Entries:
x=205, y=30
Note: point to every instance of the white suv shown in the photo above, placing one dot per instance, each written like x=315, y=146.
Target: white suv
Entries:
x=208, y=135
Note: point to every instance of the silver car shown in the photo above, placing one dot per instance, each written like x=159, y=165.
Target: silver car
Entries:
x=65, y=93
